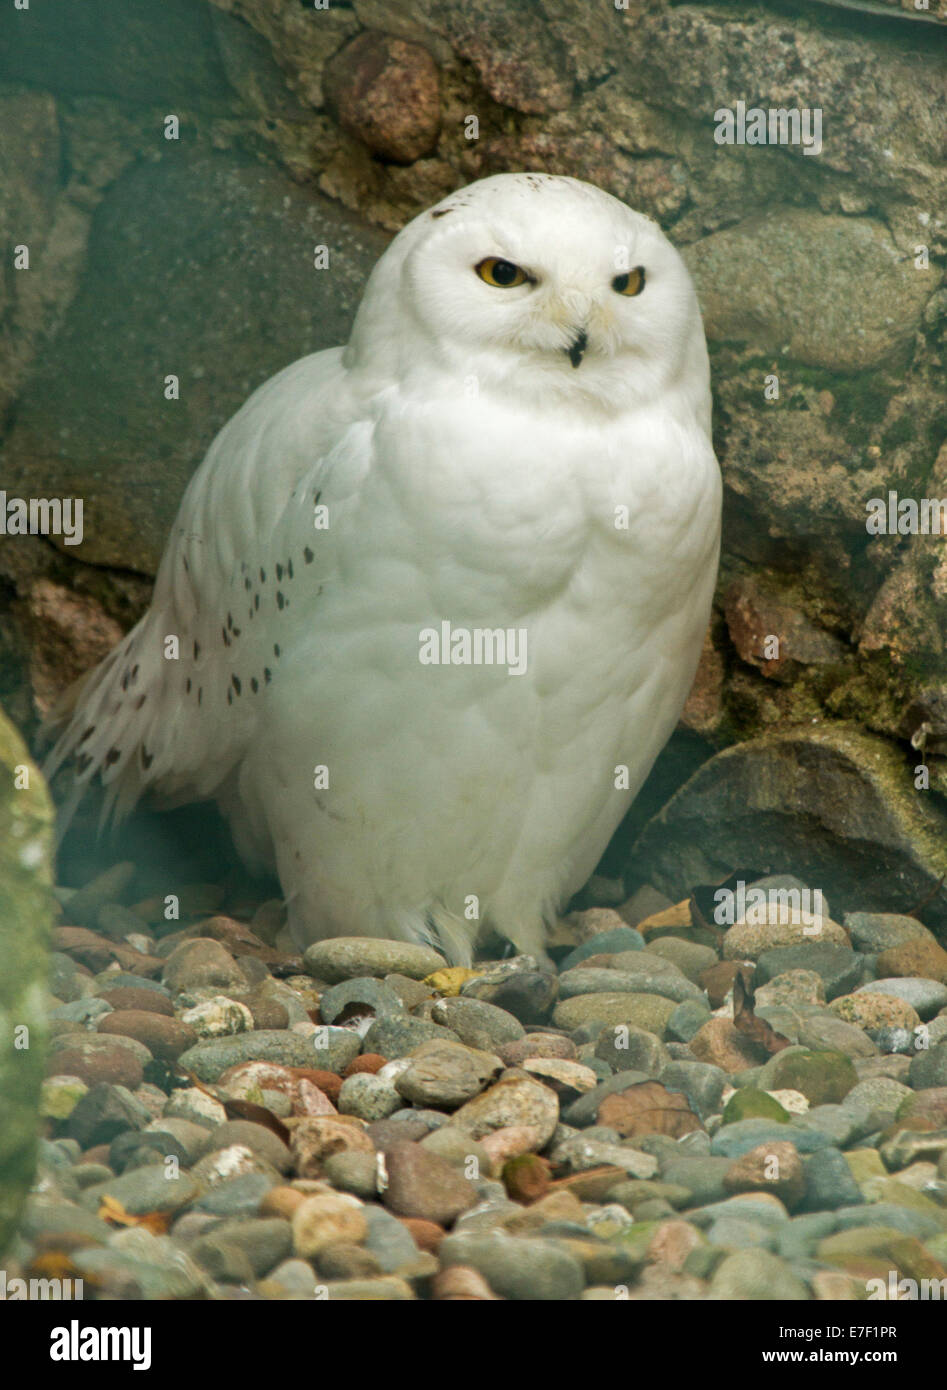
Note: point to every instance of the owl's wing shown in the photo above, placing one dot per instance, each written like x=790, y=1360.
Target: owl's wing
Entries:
x=170, y=708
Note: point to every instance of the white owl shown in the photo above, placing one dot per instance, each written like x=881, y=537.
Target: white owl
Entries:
x=434, y=601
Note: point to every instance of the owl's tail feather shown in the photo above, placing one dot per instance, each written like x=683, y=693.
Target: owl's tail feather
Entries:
x=97, y=725
x=454, y=937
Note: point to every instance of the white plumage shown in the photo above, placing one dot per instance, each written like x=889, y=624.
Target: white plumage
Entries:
x=532, y=456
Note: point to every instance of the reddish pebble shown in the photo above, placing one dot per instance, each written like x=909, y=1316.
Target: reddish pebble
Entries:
x=148, y=1000
x=461, y=1284
x=234, y=935
x=310, y=1100
x=98, y=952
x=422, y=1184
x=268, y=1013
x=427, y=1234
x=99, y=1153
x=202, y=961
x=164, y=1037
x=116, y=1064
x=281, y=1201
x=327, y=1081
x=369, y=1061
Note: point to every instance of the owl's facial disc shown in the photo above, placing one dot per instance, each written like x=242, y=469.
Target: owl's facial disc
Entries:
x=567, y=304
x=518, y=281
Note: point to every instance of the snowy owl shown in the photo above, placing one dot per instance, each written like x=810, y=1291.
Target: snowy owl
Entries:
x=434, y=601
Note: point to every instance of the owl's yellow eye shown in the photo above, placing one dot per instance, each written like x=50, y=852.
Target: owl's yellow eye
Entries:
x=631, y=283
x=503, y=274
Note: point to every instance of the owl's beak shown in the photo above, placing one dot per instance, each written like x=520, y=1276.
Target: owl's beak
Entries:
x=576, y=349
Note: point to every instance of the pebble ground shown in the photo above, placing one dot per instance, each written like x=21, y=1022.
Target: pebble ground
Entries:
x=225, y=1119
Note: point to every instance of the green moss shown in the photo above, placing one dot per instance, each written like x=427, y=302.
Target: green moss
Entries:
x=864, y=1164
x=26, y=913
x=902, y=431
x=753, y=1104
x=637, y=1239
x=824, y=1078
x=861, y=400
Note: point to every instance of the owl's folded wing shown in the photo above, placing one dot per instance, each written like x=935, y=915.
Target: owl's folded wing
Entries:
x=173, y=706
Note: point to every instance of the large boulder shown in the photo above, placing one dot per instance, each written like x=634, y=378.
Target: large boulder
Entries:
x=153, y=54
x=202, y=267
x=834, y=806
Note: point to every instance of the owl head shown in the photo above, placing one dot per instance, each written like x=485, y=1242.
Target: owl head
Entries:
x=538, y=286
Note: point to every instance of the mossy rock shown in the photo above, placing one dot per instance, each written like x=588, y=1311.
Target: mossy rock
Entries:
x=905, y=1254
x=824, y=1078
x=26, y=915
x=902, y=1194
x=753, y=1104
x=936, y=1246
x=865, y=1164
x=929, y=1106
x=636, y=1240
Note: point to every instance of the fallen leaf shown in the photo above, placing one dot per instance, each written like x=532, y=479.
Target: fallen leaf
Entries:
x=666, y=922
x=591, y=1184
x=97, y=952
x=112, y=1211
x=53, y=1264
x=745, y=1020
x=648, y=1108
x=257, y=1115
x=241, y=1109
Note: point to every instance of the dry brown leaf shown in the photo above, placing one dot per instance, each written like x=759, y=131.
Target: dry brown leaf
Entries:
x=53, y=1264
x=648, y=1108
x=670, y=920
x=112, y=1211
x=241, y=1109
x=258, y=1115
x=591, y=1184
x=745, y=1020
x=241, y=940
x=97, y=952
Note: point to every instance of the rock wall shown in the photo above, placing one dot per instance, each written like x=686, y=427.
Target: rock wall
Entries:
x=171, y=170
